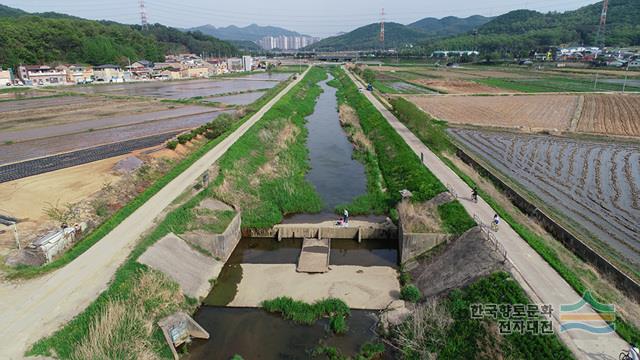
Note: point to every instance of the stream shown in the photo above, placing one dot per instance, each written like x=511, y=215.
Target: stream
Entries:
x=256, y=334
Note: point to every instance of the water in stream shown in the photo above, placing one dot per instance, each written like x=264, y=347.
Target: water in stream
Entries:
x=255, y=334
x=338, y=177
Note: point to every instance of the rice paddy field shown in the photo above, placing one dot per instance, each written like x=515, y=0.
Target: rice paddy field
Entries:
x=593, y=184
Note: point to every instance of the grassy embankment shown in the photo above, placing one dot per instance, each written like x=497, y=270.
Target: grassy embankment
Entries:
x=399, y=166
x=433, y=134
x=103, y=325
x=445, y=327
x=263, y=173
x=104, y=228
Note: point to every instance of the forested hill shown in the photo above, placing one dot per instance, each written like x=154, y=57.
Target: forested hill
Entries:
x=366, y=37
x=521, y=31
x=398, y=35
x=50, y=38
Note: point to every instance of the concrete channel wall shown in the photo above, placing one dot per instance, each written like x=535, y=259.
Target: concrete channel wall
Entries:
x=411, y=244
x=222, y=245
x=311, y=231
x=566, y=237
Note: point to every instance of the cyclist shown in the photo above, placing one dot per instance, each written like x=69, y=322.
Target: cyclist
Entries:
x=474, y=194
x=495, y=222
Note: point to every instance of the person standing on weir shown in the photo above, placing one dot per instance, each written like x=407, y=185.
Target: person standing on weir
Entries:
x=346, y=216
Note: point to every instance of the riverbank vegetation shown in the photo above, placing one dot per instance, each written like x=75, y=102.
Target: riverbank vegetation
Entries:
x=307, y=314
x=263, y=173
x=399, y=166
x=574, y=271
x=446, y=328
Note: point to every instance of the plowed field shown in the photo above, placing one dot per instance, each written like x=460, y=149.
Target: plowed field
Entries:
x=529, y=112
x=610, y=114
x=595, y=184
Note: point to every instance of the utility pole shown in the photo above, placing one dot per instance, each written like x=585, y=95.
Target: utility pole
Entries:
x=626, y=76
x=600, y=37
x=382, y=28
x=143, y=15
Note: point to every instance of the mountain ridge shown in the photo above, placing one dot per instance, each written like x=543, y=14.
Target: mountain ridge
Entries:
x=252, y=32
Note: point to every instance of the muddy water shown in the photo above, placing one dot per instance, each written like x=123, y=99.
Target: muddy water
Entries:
x=255, y=334
x=338, y=178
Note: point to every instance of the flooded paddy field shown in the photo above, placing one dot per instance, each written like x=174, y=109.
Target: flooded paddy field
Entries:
x=52, y=127
x=256, y=334
x=31, y=104
x=187, y=89
x=237, y=99
x=22, y=94
x=20, y=151
x=594, y=184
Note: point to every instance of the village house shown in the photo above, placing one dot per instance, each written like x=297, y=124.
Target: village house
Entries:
x=77, y=74
x=6, y=79
x=234, y=64
x=216, y=66
x=195, y=72
x=41, y=75
x=167, y=73
x=141, y=69
x=108, y=73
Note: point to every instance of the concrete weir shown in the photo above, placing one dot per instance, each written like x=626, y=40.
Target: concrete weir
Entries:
x=357, y=230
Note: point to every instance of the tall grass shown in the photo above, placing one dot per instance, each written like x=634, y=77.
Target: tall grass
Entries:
x=307, y=314
x=447, y=330
x=263, y=173
x=455, y=219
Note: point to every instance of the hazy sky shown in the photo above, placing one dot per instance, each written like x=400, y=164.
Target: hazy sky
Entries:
x=319, y=17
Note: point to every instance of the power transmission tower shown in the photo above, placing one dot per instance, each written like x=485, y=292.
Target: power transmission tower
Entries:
x=600, y=37
x=143, y=15
x=382, y=28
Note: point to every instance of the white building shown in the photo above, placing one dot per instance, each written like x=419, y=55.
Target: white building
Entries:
x=5, y=77
x=247, y=63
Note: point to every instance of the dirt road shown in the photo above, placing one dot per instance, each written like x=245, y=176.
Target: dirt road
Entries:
x=541, y=282
x=36, y=308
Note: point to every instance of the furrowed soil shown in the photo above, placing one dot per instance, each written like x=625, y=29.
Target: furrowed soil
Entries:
x=594, y=186
x=610, y=115
x=521, y=112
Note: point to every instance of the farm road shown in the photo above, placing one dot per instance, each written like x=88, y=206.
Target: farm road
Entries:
x=541, y=282
x=36, y=308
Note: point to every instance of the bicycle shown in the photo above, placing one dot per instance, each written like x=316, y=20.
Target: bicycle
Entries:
x=624, y=355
